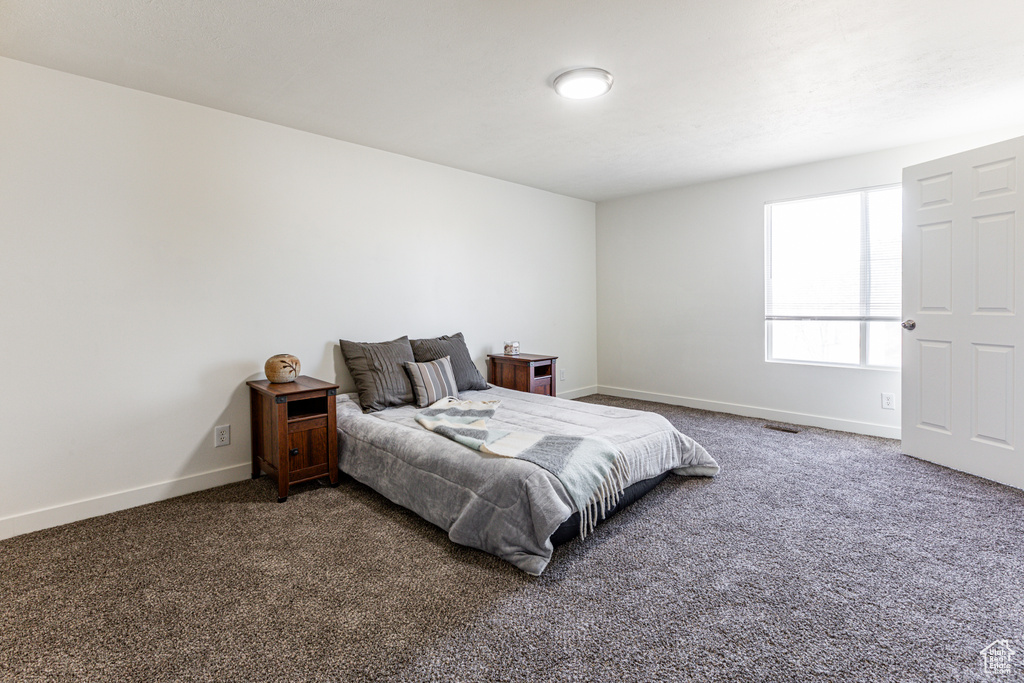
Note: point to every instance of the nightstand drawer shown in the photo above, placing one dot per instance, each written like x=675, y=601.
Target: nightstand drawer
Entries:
x=306, y=424
x=541, y=385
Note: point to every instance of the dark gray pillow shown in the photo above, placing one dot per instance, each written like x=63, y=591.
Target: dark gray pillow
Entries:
x=379, y=373
x=467, y=377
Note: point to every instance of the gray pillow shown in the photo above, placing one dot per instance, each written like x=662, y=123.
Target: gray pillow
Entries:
x=467, y=377
x=379, y=373
x=432, y=381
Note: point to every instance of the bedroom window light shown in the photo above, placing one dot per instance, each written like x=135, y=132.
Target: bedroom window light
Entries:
x=833, y=279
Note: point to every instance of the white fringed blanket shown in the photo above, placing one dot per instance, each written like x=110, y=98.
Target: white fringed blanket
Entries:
x=588, y=467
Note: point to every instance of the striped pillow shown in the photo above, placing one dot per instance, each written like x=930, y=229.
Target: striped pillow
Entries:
x=432, y=381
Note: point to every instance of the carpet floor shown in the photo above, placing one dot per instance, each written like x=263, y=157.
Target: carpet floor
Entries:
x=812, y=556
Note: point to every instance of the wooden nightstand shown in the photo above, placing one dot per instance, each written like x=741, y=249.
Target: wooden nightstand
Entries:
x=523, y=372
x=294, y=431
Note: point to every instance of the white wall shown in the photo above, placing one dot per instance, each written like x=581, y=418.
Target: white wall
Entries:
x=154, y=253
x=681, y=297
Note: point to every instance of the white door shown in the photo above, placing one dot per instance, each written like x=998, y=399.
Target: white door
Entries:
x=963, y=280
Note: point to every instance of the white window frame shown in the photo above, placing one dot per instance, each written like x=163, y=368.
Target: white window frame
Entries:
x=865, y=285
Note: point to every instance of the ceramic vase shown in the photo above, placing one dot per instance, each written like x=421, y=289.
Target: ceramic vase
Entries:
x=282, y=368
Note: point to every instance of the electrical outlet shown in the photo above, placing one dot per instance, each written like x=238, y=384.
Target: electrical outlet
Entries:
x=889, y=401
x=222, y=435
x=561, y=375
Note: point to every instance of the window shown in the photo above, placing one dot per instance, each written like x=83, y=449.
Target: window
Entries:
x=833, y=271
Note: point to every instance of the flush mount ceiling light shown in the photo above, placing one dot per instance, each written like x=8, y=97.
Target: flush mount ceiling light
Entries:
x=582, y=84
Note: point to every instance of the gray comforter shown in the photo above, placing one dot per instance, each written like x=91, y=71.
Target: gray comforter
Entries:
x=504, y=506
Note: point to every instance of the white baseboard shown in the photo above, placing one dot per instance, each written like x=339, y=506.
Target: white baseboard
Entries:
x=837, y=424
x=35, y=520
x=576, y=393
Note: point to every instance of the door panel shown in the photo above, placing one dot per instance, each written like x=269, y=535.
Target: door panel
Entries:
x=994, y=269
x=993, y=394
x=962, y=278
x=937, y=267
x=936, y=371
x=936, y=191
x=996, y=178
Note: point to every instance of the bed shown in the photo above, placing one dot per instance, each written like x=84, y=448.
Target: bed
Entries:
x=511, y=508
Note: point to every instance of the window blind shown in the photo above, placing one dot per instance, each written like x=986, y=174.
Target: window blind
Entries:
x=837, y=257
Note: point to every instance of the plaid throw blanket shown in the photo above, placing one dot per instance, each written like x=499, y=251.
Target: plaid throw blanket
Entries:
x=589, y=468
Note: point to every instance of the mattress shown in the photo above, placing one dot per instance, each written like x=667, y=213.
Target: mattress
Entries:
x=507, y=507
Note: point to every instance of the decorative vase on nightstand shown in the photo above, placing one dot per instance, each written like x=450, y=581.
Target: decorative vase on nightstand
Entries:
x=282, y=368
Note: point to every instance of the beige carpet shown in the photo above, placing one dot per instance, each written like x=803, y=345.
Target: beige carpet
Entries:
x=814, y=556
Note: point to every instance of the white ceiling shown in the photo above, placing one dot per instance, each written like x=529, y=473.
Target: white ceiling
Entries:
x=703, y=89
